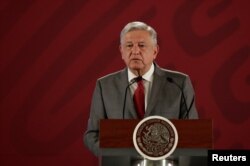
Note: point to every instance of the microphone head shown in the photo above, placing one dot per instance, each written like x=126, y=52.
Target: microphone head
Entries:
x=136, y=79
x=139, y=78
x=170, y=79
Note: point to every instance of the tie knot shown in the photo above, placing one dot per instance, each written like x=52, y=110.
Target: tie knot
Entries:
x=139, y=78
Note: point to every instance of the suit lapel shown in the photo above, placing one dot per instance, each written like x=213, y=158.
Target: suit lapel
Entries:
x=158, y=82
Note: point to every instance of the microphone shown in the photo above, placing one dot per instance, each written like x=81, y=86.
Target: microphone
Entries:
x=136, y=79
x=186, y=116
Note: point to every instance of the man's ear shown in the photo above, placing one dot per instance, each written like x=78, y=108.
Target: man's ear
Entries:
x=156, y=51
x=120, y=49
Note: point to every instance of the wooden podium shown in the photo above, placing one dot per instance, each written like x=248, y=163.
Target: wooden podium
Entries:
x=116, y=137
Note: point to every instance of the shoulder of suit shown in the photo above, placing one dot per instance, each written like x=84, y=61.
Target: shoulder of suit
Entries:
x=178, y=77
x=112, y=76
x=172, y=73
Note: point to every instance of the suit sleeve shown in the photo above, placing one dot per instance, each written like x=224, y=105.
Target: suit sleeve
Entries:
x=97, y=112
x=189, y=95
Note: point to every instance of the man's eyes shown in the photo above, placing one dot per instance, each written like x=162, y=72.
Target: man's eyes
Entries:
x=139, y=45
x=129, y=45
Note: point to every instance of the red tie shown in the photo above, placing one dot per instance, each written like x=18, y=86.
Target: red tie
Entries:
x=139, y=99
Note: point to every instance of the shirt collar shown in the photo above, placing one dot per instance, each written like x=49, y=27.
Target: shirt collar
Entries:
x=147, y=76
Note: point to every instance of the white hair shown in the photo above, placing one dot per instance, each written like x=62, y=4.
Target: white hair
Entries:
x=136, y=25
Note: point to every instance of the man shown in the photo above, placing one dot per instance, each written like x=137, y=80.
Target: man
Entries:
x=165, y=93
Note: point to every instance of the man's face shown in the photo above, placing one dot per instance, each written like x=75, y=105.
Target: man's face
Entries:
x=138, y=51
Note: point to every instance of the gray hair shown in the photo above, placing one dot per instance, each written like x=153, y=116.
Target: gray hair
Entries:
x=133, y=26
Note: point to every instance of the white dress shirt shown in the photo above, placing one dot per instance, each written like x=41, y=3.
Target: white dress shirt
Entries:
x=147, y=82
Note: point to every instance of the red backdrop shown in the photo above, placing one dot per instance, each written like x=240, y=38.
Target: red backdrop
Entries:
x=52, y=52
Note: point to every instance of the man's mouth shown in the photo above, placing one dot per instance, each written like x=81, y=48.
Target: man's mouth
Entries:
x=136, y=59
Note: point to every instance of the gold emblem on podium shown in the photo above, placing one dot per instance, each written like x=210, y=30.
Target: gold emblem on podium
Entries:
x=155, y=138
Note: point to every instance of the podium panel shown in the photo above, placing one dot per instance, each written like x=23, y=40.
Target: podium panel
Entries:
x=116, y=143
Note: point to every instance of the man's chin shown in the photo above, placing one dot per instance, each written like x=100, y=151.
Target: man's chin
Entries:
x=136, y=69
x=136, y=65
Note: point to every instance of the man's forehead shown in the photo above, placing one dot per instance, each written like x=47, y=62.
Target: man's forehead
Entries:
x=137, y=33
x=131, y=37
x=134, y=41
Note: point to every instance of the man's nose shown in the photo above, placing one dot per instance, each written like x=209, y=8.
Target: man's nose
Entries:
x=135, y=49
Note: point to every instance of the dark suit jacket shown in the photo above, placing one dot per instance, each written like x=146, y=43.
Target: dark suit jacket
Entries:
x=166, y=100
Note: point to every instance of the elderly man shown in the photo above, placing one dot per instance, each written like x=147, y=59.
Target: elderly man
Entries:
x=140, y=90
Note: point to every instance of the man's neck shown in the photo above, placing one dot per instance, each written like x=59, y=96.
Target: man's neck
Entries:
x=140, y=72
x=147, y=74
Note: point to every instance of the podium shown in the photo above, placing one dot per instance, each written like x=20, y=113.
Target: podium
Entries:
x=116, y=141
